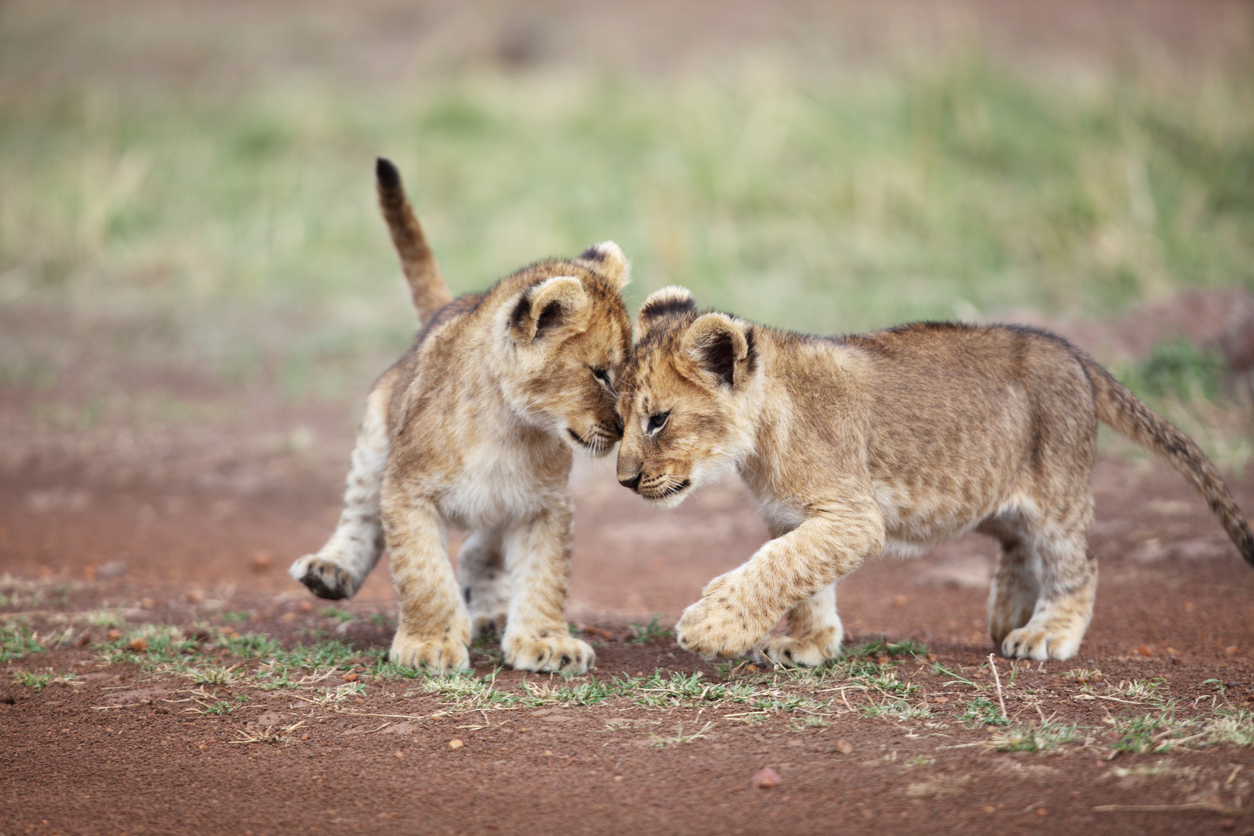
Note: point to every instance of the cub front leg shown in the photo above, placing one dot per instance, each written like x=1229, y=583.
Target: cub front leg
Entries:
x=739, y=608
x=814, y=634
x=537, y=555
x=433, y=629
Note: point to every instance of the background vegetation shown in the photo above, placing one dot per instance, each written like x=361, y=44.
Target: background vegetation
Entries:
x=217, y=216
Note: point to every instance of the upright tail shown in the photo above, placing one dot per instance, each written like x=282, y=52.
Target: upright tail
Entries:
x=426, y=285
x=1126, y=414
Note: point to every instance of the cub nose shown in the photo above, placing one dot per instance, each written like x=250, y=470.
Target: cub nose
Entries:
x=632, y=483
x=618, y=425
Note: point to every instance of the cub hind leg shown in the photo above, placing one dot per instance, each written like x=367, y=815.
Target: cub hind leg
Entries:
x=340, y=567
x=814, y=634
x=1042, y=595
x=485, y=582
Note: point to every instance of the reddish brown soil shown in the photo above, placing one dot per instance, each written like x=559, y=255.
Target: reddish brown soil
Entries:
x=184, y=527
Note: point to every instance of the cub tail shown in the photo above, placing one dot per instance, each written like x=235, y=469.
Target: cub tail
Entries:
x=1129, y=416
x=426, y=285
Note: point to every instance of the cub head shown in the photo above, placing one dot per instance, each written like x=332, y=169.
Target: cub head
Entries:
x=569, y=336
x=682, y=397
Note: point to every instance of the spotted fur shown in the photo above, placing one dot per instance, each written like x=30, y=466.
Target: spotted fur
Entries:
x=904, y=438
x=473, y=428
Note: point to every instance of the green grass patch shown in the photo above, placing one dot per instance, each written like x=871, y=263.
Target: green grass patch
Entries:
x=17, y=641
x=952, y=190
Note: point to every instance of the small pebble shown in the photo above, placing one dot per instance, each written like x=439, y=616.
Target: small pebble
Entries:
x=766, y=778
x=455, y=744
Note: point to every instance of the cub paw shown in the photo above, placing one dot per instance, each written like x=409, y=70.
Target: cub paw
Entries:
x=712, y=628
x=548, y=654
x=441, y=655
x=324, y=578
x=1034, y=643
x=789, y=652
x=487, y=599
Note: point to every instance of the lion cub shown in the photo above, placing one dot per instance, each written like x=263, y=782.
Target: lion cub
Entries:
x=474, y=428
x=902, y=437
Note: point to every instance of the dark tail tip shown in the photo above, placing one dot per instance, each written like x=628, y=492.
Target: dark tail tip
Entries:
x=388, y=176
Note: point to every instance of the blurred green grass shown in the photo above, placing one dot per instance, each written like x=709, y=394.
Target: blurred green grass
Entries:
x=246, y=223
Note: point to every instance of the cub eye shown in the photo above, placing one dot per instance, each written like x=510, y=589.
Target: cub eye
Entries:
x=601, y=375
x=656, y=421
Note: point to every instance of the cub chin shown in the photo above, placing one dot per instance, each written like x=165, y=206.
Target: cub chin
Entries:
x=474, y=428
x=908, y=437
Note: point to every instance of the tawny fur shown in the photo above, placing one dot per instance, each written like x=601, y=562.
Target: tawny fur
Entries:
x=904, y=437
x=473, y=428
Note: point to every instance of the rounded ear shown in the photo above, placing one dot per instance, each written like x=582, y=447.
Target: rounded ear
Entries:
x=721, y=347
x=664, y=302
x=556, y=304
x=608, y=260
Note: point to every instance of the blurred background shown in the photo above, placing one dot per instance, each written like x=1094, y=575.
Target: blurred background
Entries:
x=189, y=239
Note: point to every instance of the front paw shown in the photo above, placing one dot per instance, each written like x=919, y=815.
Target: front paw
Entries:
x=325, y=578
x=548, y=653
x=441, y=654
x=717, y=626
x=804, y=652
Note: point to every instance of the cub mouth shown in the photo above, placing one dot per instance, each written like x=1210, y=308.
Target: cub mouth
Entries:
x=666, y=492
x=595, y=443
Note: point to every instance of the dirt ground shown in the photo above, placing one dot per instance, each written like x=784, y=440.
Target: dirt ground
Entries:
x=110, y=526
x=194, y=527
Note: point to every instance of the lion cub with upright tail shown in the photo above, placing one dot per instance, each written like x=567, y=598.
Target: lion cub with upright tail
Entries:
x=474, y=428
x=903, y=437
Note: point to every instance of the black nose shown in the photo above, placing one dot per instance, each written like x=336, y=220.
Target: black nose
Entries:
x=632, y=483
x=618, y=425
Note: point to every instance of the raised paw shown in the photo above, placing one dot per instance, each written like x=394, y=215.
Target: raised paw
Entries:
x=803, y=652
x=542, y=653
x=325, y=578
x=1037, y=643
x=442, y=654
x=715, y=627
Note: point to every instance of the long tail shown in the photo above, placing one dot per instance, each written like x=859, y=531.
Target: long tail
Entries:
x=1126, y=414
x=426, y=285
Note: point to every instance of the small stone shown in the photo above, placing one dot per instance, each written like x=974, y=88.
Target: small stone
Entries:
x=766, y=778
x=1040, y=812
x=305, y=606
x=843, y=747
x=899, y=601
x=351, y=677
x=113, y=634
x=455, y=744
x=261, y=561
x=195, y=596
x=1144, y=650
x=138, y=645
x=1231, y=651
x=618, y=778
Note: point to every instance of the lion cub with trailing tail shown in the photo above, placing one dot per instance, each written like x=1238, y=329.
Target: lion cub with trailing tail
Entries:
x=902, y=437
x=474, y=428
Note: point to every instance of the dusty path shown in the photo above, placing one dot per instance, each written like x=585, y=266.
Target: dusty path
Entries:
x=118, y=749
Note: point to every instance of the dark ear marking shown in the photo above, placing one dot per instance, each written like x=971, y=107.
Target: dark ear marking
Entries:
x=667, y=305
x=719, y=358
x=593, y=253
x=519, y=314
x=550, y=316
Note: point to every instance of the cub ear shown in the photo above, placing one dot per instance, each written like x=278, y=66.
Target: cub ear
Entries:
x=664, y=302
x=721, y=347
x=608, y=260
x=558, y=303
